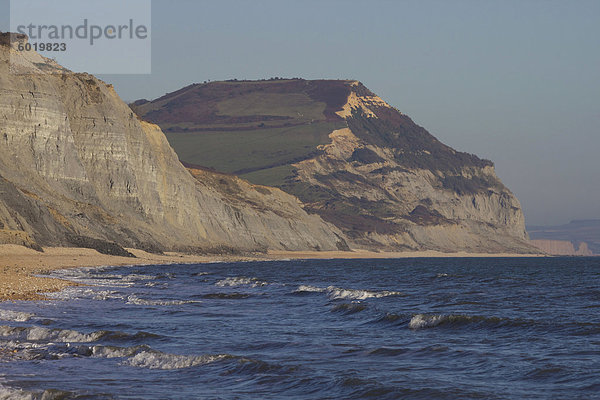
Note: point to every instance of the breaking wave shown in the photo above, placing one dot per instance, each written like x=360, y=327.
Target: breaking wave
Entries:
x=422, y=321
x=241, y=281
x=36, y=333
x=7, y=393
x=141, y=356
x=133, y=299
x=153, y=359
x=75, y=292
x=335, y=293
x=15, y=316
x=357, y=294
x=309, y=289
x=40, y=334
x=98, y=276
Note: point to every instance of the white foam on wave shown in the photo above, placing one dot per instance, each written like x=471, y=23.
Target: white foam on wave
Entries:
x=19, y=344
x=74, y=292
x=141, y=356
x=7, y=393
x=95, y=276
x=116, y=352
x=107, y=295
x=241, y=281
x=137, y=277
x=162, y=285
x=15, y=316
x=420, y=321
x=133, y=299
x=87, y=275
x=152, y=359
x=336, y=293
x=37, y=333
x=308, y=288
x=15, y=394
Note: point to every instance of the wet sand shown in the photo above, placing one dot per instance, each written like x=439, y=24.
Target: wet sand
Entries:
x=18, y=264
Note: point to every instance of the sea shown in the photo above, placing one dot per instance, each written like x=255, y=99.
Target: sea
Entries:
x=422, y=328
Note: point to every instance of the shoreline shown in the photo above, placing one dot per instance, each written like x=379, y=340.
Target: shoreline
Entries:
x=19, y=265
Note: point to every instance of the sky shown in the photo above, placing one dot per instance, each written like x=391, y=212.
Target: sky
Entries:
x=513, y=81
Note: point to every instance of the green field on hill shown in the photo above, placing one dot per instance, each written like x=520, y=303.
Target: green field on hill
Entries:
x=259, y=155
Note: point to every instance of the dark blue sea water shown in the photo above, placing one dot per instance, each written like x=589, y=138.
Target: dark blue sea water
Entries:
x=334, y=329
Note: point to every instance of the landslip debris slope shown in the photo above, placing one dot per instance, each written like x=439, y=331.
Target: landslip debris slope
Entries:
x=350, y=157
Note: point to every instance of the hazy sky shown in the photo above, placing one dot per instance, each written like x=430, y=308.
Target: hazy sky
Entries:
x=517, y=82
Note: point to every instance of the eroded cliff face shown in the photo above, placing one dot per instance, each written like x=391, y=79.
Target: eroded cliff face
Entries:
x=405, y=189
x=562, y=247
x=77, y=167
x=350, y=157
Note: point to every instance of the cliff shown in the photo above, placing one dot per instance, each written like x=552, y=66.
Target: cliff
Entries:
x=77, y=168
x=350, y=157
x=578, y=231
x=562, y=247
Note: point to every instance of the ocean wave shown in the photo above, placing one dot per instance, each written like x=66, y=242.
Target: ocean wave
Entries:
x=388, y=351
x=36, y=333
x=112, y=351
x=103, y=351
x=161, y=285
x=548, y=372
x=7, y=393
x=422, y=321
x=75, y=292
x=137, y=277
x=17, y=350
x=15, y=316
x=141, y=356
x=153, y=359
x=133, y=299
x=241, y=281
x=94, y=277
x=253, y=367
x=309, y=289
x=227, y=296
x=391, y=318
x=349, y=308
x=47, y=335
x=27, y=351
x=362, y=387
x=336, y=293
x=104, y=295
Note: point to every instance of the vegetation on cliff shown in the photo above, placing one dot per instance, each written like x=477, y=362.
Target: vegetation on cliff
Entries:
x=349, y=156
